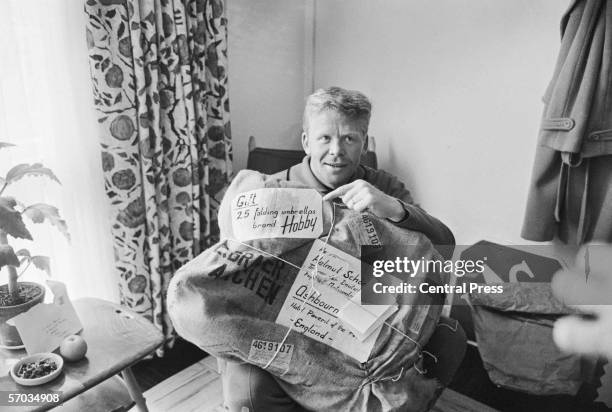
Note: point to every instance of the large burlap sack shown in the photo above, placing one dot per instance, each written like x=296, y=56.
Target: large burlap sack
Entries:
x=226, y=301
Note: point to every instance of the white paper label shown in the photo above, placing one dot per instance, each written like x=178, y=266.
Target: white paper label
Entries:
x=44, y=326
x=364, y=319
x=277, y=355
x=277, y=212
x=314, y=312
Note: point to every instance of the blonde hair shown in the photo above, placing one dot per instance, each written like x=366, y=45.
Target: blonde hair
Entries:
x=350, y=103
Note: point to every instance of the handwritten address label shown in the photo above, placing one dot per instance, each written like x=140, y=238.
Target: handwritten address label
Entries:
x=315, y=311
x=277, y=212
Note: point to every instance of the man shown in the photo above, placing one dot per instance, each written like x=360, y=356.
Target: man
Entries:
x=335, y=135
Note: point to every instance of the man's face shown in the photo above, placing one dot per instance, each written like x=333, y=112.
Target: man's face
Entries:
x=334, y=143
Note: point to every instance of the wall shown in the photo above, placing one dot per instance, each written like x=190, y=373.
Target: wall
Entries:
x=456, y=88
x=267, y=71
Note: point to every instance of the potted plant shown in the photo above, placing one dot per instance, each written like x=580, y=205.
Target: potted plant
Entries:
x=17, y=297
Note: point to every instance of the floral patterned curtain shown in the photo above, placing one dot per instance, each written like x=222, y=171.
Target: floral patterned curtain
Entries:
x=159, y=73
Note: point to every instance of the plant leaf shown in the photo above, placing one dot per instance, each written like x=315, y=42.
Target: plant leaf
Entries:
x=40, y=212
x=11, y=221
x=10, y=202
x=7, y=256
x=25, y=253
x=42, y=263
x=5, y=144
x=24, y=169
x=25, y=256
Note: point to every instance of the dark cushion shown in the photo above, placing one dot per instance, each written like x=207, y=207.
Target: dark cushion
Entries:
x=270, y=161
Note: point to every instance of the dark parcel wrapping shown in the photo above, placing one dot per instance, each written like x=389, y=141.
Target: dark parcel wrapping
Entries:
x=514, y=334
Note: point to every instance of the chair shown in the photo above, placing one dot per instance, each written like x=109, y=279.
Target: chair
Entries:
x=270, y=161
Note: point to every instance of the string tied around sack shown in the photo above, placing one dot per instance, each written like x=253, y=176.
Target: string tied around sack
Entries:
x=313, y=276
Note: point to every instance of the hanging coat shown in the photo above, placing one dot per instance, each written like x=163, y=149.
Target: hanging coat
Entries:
x=570, y=194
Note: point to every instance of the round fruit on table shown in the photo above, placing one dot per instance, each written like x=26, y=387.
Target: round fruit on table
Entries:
x=73, y=348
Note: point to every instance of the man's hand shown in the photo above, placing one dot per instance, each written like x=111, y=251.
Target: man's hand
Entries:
x=360, y=195
x=592, y=294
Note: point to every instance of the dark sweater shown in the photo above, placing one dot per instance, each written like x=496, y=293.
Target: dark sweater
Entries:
x=416, y=218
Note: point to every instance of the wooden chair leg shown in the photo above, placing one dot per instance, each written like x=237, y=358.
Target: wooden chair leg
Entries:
x=134, y=389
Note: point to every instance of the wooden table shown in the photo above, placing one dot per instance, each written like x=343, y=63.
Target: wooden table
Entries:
x=116, y=338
